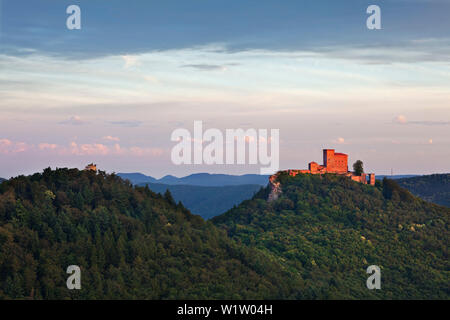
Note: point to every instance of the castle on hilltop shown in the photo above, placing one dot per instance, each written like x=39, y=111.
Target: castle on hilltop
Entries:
x=333, y=162
x=91, y=167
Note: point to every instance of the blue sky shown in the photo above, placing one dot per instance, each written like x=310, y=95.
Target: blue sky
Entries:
x=113, y=91
x=118, y=27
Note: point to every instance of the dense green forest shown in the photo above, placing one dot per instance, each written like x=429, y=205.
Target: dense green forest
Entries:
x=314, y=242
x=433, y=188
x=207, y=202
x=328, y=230
x=128, y=241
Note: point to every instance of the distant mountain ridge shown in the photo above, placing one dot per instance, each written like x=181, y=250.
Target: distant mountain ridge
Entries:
x=137, y=178
x=1, y=180
x=207, y=202
x=199, y=179
x=433, y=188
x=217, y=180
x=395, y=177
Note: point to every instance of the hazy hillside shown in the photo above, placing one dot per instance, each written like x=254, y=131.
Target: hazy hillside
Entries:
x=207, y=201
x=129, y=242
x=199, y=179
x=2, y=179
x=433, y=188
x=395, y=177
x=206, y=179
x=137, y=178
x=329, y=229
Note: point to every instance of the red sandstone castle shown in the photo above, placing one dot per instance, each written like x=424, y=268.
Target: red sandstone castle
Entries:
x=337, y=163
x=333, y=162
x=91, y=167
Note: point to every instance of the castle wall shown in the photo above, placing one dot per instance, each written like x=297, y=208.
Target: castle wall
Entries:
x=315, y=168
x=372, y=179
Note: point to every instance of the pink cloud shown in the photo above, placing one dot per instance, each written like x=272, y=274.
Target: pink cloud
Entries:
x=74, y=149
x=45, y=146
x=4, y=143
x=401, y=119
x=74, y=120
x=137, y=151
x=339, y=140
x=111, y=138
x=20, y=147
x=8, y=146
x=88, y=149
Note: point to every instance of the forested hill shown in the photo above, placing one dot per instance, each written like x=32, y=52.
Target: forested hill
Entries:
x=2, y=179
x=433, y=188
x=329, y=229
x=128, y=241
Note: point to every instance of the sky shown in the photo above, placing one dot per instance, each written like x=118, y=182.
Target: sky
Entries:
x=113, y=92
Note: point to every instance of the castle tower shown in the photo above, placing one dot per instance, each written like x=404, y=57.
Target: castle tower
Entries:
x=328, y=156
x=91, y=167
x=335, y=162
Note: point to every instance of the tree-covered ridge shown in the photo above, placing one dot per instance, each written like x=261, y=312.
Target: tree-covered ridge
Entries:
x=433, y=188
x=328, y=230
x=129, y=242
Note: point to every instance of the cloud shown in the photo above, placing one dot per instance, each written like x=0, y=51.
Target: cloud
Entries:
x=431, y=123
x=20, y=147
x=111, y=138
x=5, y=145
x=126, y=123
x=251, y=29
x=151, y=79
x=116, y=150
x=75, y=149
x=401, y=119
x=99, y=149
x=88, y=149
x=130, y=61
x=74, y=121
x=138, y=151
x=206, y=67
x=9, y=147
x=47, y=146
x=5, y=142
x=408, y=51
x=339, y=140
